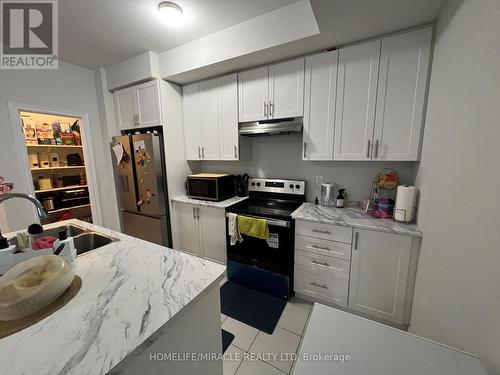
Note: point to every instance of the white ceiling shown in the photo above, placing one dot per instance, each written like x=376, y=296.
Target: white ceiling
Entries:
x=103, y=32
x=96, y=33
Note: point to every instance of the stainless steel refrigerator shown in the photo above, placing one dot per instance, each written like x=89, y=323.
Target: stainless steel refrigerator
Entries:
x=141, y=185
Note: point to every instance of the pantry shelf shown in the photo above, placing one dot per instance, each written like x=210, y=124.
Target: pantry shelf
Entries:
x=68, y=208
x=56, y=168
x=61, y=188
x=54, y=146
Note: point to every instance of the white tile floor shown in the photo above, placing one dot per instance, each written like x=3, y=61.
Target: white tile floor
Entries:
x=285, y=339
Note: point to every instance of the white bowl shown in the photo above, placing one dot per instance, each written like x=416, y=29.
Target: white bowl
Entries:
x=32, y=285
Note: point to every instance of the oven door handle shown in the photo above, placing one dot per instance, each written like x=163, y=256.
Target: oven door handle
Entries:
x=273, y=222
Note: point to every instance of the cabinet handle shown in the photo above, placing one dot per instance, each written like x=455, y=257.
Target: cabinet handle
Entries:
x=356, y=234
x=318, y=285
x=199, y=152
x=322, y=231
x=321, y=247
x=203, y=152
x=368, y=150
x=265, y=109
x=376, y=149
x=320, y=263
x=194, y=213
x=305, y=149
x=271, y=109
x=198, y=213
x=235, y=152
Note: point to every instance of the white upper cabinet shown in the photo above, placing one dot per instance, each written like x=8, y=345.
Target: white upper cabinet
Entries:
x=209, y=108
x=272, y=92
x=380, y=268
x=211, y=119
x=192, y=120
x=139, y=106
x=319, y=106
x=404, y=66
x=228, y=118
x=148, y=104
x=286, y=89
x=125, y=109
x=356, y=95
x=253, y=89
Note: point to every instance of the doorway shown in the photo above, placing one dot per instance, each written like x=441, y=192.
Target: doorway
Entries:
x=57, y=159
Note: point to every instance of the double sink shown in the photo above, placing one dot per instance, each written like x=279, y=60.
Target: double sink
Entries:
x=85, y=239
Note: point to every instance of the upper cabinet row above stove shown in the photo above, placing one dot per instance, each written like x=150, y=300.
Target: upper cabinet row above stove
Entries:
x=361, y=102
x=272, y=92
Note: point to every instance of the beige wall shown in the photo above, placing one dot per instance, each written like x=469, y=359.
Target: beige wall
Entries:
x=457, y=295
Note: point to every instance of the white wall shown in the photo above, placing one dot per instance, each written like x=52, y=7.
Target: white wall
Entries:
x=70, y=88
x=280, y=156
x=457, y=295
x=283, y=25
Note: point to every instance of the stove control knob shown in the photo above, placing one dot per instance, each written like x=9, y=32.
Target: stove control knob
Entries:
x=253, y=183
x=297, y=186
x=258, y=183
x=291, y=186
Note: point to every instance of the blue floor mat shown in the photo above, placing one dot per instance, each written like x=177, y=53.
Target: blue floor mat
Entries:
x=259, y=310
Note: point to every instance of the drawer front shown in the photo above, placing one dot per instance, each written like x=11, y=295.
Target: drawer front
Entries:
x=323, y=284
x=324, y=231
x=320, y=263
x=323, y=247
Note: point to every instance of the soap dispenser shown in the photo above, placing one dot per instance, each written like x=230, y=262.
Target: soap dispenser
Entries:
x=340, y=199
x=65, y=247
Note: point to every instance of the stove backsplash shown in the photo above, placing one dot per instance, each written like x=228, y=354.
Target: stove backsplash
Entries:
x=280, y=156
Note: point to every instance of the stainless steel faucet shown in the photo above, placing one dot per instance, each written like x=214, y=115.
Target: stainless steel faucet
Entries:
x=39, y=208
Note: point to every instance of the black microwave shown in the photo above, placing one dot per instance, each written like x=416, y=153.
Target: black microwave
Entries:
x=210, y=186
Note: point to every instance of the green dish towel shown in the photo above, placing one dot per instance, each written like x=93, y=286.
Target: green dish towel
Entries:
x=254, y=227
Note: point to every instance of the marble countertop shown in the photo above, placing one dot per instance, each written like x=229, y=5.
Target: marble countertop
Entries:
x=352, y=217
x=131, y=288
x=199, y=202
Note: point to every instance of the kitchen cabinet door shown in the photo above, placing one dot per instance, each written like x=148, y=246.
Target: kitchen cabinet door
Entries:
x=212, y=223
x=286, y=89
x=319, y=106
x=188, y=228
x=355, y=107
x=380, y=267
x=228, y=118
x=209, y=109
x=148, y=104
x=402, y=86
x=253, y=90
x=125, y=109
x=192, y=120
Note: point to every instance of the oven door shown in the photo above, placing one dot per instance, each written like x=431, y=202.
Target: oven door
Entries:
x=202, y=188
x=274, y=255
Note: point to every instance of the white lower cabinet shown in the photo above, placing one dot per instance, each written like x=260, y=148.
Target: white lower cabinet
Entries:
x=201, y=231
x=369, y=272
x=380, y=269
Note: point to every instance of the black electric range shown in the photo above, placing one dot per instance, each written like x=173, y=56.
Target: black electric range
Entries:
x=267, y=265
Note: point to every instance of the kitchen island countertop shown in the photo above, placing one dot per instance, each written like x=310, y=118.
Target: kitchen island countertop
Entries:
x=352, y=217
x=130, y=289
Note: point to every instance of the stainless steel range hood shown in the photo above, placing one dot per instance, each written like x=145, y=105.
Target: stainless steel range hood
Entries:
x=270, y=127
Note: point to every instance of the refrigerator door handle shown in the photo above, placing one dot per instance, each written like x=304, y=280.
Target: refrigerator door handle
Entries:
x=194, y=213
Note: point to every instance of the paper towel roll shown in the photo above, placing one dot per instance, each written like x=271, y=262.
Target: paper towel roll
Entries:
x=405, y=203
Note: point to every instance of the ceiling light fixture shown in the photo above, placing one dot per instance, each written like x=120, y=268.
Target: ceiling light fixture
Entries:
x=171, y=13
